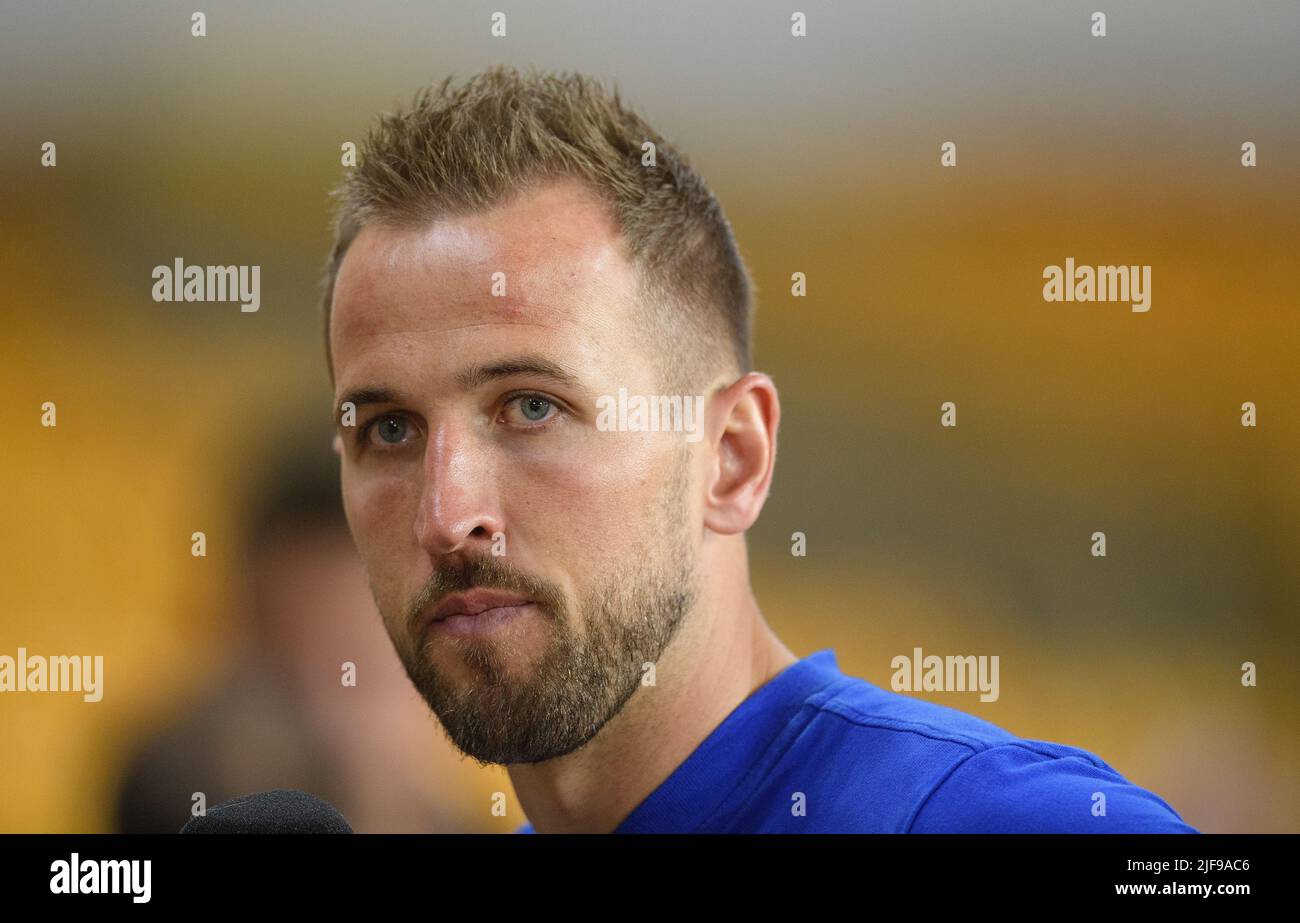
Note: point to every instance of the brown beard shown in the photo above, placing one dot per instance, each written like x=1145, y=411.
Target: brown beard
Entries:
x=583, y=678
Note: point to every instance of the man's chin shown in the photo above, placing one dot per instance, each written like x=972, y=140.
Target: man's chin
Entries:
x=491, y=723
x=469, y=663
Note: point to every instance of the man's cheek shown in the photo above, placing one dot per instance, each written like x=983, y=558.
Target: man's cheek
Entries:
x=595, y=468
x=381, y=522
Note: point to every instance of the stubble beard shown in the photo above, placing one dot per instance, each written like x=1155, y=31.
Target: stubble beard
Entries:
x=517, y=711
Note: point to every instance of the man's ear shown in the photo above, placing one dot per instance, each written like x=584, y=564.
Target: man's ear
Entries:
x=743, y=420
x=337, y=445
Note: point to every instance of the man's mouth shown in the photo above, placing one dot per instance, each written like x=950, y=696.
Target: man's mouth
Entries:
x=476, y=611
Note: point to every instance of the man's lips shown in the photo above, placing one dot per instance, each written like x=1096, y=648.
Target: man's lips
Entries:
x=473, y=602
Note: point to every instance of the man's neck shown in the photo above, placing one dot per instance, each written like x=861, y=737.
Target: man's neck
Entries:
x=718, y=658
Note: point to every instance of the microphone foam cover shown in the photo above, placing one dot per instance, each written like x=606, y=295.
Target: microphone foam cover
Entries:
x=279, y=811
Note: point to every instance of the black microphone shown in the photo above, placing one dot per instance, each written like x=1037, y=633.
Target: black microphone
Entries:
x=280, y=811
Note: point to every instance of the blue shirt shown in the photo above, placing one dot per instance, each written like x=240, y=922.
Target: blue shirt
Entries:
x=815, y=751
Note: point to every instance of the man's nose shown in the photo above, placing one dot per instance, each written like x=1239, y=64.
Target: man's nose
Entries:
x=458, y=506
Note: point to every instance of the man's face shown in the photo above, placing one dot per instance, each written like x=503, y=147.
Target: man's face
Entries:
x=477, y=435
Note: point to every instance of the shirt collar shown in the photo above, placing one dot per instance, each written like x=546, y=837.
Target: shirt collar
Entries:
x=732, y=755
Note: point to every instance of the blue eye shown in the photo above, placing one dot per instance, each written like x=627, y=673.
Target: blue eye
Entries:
x=535, y=412
x=534, y=407
x=391, y=429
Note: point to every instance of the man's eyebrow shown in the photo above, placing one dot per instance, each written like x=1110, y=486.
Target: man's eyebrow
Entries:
x=538, y=366
x=363, y=396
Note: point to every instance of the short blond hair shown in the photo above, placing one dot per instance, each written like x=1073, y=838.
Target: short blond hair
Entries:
x=460, y=150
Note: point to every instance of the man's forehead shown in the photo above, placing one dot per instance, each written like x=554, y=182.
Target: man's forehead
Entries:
x=552, y=259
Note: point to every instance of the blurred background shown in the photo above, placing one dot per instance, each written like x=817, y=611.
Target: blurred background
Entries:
x=924, y=286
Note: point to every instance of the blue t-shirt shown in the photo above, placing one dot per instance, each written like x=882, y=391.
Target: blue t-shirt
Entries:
x=815, y=751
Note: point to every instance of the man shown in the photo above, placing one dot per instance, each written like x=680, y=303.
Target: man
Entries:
x=561, y=568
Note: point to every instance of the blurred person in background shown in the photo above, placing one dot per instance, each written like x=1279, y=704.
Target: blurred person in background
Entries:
x=282, y=717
